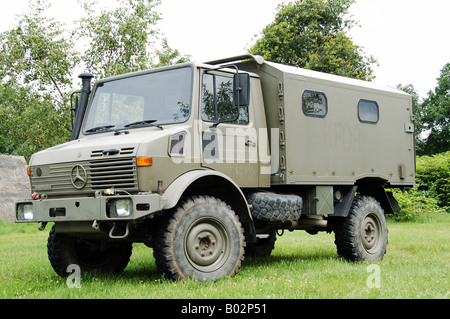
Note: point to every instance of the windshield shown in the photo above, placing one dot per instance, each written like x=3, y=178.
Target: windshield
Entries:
x=151, y=99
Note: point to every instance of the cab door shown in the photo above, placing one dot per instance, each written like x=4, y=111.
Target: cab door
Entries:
x=228, y=135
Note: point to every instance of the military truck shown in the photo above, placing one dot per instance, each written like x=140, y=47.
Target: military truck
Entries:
x=208, y=162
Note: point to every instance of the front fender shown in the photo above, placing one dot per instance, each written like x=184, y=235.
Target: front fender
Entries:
x=178, y=187
x=213, y=183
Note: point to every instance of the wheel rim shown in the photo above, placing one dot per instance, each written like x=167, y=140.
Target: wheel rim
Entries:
x=371, y=232
x=207, y=244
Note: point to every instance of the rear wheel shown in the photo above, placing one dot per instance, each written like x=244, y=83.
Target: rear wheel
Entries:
x=201, y=239
x=263, y=246
x=362, y=235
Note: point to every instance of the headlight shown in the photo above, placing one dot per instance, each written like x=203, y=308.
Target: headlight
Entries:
x=118, y=208
x=24, y=211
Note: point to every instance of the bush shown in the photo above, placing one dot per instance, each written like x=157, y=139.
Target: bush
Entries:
x=416, y=206
x=433, y=176
x=432, y=193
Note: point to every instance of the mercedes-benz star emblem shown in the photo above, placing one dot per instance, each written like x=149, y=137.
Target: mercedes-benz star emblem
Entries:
x=78, y=177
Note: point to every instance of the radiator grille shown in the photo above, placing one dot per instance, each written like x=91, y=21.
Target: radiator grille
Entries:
x=118, y=173
x=57, y=179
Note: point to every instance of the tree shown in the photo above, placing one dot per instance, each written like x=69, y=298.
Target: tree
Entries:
x=311, y=34
x=38, y=59
x=418, y=125
x=37, y=53
x=120, y=38
x=29, y=122
x=167, y=56
x=434, y=117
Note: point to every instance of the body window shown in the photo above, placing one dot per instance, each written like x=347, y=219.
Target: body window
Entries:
x=314, y=104
x=217, y=101
x=368, y=111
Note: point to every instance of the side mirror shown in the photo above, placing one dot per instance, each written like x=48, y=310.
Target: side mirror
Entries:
x=241, y=89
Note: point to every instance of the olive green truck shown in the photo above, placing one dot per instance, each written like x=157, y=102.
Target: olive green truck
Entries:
x=208, y=162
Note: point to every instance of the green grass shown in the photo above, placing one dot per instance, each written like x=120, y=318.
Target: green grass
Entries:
x=301, y=266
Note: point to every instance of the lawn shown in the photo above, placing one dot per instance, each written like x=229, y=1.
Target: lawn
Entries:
x=416, y=266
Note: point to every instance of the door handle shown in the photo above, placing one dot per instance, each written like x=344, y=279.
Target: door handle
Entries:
x=250, y=143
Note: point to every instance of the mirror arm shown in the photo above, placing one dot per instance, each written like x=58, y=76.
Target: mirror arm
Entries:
x=224, y=67
x=238, y=89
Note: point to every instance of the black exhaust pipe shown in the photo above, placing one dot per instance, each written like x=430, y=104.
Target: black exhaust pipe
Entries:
x=81, y=107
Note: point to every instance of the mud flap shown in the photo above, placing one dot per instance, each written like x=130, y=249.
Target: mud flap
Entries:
x=386, y=199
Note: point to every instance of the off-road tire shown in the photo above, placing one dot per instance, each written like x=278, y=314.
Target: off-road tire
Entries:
x=362, y=235
x=201, y=239
x=64, y=250
x=270, y=207
x=263, y=247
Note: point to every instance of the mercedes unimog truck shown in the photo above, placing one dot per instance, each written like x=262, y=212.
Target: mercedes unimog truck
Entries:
x=208, y=162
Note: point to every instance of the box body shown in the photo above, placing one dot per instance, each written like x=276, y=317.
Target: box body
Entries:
x=334, y=130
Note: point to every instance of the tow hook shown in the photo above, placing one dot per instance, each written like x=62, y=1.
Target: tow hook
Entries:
x=117, y=227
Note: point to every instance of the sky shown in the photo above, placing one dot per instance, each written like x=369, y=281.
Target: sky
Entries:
x=409, y=38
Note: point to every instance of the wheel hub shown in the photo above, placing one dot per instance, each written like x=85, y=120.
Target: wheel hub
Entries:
x=206, y=245
x=371, y=233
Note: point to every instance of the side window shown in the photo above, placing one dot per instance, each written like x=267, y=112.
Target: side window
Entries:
x=217, y=101
x=314, y=104
x=368, y=111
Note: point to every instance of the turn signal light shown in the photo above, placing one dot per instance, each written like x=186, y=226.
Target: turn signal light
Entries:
x=144, y=161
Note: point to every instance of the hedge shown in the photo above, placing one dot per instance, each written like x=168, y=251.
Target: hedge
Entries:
x=433, y=176
x=431, y=196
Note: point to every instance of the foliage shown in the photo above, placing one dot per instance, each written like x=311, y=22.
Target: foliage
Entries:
x=38, y=61
x=167, y=56
x=120, y=37
x=433, y=176
x=29, y=122
x=38, y=54
x=311, y=34
x=434, y=116
x=431, y=196
x=418, y=125
x=415, y=206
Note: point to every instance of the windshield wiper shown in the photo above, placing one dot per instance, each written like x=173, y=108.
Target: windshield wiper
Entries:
x=214, y=125
x=144, y=123
x=99, y=128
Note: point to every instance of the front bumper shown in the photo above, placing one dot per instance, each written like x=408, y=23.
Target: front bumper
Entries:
x=101, y=208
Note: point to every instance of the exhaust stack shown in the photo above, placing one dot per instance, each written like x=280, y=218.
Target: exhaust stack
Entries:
x=81, y=107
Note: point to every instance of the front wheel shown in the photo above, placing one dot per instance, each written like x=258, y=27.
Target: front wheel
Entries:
x=89, y=254
x=362, y=235
x=201, y=239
